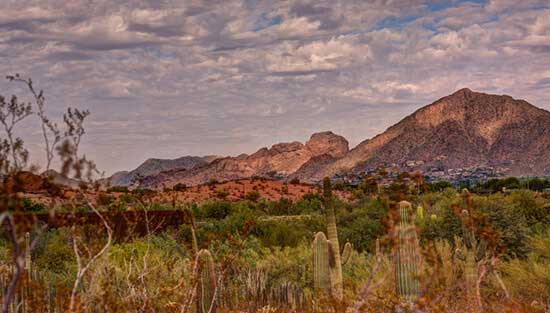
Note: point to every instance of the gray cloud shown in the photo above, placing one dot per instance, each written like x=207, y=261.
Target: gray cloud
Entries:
x=171, y=78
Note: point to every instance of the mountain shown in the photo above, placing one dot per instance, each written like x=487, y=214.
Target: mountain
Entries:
x=156, y=166
x=464, y=130
x=279, y=161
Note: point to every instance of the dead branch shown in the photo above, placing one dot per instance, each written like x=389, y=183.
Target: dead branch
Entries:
x=83, y=268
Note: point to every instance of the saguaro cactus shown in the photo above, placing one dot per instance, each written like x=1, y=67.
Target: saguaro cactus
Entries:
x=321, y=266
x=207, y=282
x=332, y=232
x=326, y=253
x=407, y=258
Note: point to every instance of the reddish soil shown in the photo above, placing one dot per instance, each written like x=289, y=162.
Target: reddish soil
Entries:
x=236, y=190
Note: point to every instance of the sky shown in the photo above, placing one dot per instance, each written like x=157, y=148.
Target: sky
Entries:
x=166, y=78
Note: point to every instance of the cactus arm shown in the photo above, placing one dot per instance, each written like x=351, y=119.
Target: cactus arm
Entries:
x=321, y=268
x=346, y=253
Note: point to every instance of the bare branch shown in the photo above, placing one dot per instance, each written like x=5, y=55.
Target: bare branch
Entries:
x=362, y=299
x=83, y=268
x=50, y=130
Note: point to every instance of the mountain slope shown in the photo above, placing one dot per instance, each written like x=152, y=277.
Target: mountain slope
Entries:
x=156, y=166
x=464, y=129
x=279, y=161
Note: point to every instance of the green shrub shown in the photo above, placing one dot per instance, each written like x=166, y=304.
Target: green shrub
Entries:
x=105, y=199
x=83, y=186
x=283, y=232
x=216, y=210
x=440, y=186
x=295, y=181
x=253, y=196
x=127, y=198
x=529, y=279
x=143, y=192
x=31, y=206
x=53, y=254
x=284, y=190
x=123, y=189
x=222, y=194
x=179, y=187
x=363, y=224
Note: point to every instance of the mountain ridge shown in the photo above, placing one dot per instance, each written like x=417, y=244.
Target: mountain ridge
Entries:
x=153, y=166
x=464, y=129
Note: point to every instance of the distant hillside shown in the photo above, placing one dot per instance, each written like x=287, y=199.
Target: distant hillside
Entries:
x=156, y=166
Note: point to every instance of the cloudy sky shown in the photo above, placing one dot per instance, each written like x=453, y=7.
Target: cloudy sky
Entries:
x=169, y=78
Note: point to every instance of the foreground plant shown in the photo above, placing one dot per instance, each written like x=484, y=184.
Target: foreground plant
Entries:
x=407, y=256
x=479, y=254
x=327, y=258
x=207, y=285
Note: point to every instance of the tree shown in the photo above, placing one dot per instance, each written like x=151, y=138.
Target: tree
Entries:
x=440, y=186
x=13, y=160
x=50, y=131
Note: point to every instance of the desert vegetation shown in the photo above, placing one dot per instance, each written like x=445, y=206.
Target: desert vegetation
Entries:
x=404, y=247
x=452, y=251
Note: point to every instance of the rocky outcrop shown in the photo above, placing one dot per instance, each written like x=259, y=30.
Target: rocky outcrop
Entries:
x=327, y=143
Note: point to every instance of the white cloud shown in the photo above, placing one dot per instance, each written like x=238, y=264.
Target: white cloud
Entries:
x=317, y=56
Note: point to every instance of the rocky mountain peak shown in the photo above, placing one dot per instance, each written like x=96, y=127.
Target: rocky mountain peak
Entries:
x=327, y=143
x=463, y=92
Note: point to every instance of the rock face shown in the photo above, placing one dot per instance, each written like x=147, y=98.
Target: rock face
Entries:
x=461, y=130
x=328, y=143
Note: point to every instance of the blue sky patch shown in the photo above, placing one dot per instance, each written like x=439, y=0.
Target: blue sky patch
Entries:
x=395, y=22
x=265, y=22
x=442, y=5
